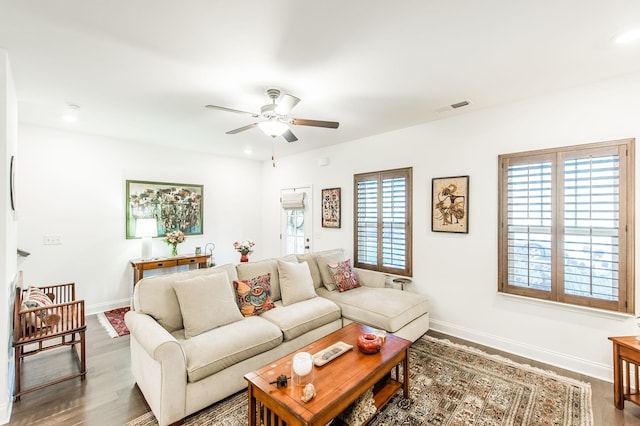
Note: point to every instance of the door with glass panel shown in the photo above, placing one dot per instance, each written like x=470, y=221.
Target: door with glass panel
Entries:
x=296, y=220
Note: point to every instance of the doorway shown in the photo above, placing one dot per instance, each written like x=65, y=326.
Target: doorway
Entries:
x=296, y=220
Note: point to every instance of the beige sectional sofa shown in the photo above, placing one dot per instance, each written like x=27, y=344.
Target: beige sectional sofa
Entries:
x=191, y=344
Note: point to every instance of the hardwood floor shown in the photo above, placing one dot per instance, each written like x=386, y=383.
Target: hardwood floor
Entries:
x=109, y=397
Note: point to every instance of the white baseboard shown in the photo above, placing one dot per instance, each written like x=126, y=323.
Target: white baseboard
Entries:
x=557, y=359
x=101, y=307
x=5, y=412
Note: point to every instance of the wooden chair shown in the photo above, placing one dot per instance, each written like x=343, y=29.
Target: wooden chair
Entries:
x=38, y=329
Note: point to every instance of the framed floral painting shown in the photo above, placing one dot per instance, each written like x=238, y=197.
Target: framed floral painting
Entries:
x=331, y=208
x=175, y=206
x=450, y=204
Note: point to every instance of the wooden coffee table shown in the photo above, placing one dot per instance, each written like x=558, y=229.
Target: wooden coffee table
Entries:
x=338, y=383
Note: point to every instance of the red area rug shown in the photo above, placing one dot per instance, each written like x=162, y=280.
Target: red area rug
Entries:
x=113, y=321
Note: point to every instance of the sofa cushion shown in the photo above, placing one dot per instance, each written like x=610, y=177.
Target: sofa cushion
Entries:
x=343, y=275
x=323, y=266
x=370, y=278
x=155, y=296
x=311, y=259
x=297, y=319
x=254, y=295
x=384, y=308
x=248, y=270
x=222, y=347
x=296, y=283
x=206, y=302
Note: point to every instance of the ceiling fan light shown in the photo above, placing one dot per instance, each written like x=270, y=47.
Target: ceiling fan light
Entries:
x=273, y=128
x=628, y=36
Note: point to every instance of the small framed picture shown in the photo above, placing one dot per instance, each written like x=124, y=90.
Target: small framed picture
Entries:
x=331, y=208
x=450, y=204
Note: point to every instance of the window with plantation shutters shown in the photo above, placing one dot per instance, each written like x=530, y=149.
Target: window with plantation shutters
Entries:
x=382, y=239
x=566, y=230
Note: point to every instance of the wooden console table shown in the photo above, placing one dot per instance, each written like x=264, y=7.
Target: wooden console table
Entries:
x=140, y=265
x=626, y=358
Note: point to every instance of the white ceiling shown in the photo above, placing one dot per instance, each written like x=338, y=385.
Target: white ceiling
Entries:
x=144, y=69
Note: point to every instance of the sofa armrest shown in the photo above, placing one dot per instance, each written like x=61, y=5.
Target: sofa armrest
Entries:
x=158, y=364
x=369, y=278
x=155, y=340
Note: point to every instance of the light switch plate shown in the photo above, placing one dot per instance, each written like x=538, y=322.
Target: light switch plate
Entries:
x=52, y=239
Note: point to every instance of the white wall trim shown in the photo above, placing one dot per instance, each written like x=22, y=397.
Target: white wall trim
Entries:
x=5, y=412
x=567, y=362
x=609, y=315
x=101, y=307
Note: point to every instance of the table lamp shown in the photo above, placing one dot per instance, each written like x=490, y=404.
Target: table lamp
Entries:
x=146, y=229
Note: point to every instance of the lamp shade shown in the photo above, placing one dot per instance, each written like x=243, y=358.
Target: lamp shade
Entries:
x=273, y=128
x=146, y=228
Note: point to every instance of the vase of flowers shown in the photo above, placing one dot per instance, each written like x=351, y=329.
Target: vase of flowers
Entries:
x=244, y=248
x=173, y=239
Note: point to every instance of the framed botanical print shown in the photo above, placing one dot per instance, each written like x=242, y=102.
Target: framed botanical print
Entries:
x=175, y=206
x=450, y=204
x=331, y=208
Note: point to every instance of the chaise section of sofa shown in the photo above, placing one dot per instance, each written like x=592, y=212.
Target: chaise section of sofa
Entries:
x=402, y=313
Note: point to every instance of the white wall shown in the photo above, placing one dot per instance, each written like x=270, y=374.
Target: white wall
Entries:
x=459, y=272
x=73, y=185
x=8, y=228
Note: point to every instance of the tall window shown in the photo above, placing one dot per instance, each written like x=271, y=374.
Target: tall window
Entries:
x=382, y=240
x=566, y=230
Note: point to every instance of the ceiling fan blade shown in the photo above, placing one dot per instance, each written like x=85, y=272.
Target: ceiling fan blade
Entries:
x=242, y=129
x=237, y=111
x=286, y=104
x=315, y=123
x=290, y=137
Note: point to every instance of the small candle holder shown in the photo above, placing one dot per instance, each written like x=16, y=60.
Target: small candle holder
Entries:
x=302, y=369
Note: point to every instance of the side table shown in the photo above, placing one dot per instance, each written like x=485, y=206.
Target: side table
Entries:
x=141, y=265
x=626, y=358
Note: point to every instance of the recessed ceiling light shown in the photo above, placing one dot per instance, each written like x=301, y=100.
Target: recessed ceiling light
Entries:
x=628, y=36
x=248, y=151
x=69, y=118
x=71, y=113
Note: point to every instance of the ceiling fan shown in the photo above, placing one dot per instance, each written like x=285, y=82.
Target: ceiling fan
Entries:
x=274, y=120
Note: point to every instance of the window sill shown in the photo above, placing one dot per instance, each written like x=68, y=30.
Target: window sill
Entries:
x=618, y=316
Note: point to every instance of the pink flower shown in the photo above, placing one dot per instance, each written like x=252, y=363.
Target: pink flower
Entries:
x=244, y=247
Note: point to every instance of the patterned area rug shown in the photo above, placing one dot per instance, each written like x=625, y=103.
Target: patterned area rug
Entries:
x=453, y=385
x=113, y=321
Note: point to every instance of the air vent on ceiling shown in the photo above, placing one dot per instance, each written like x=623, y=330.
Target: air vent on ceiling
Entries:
x=460, y=104
x=451, y=107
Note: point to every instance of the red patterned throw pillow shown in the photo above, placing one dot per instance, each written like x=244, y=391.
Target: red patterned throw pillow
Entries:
x=36, y=298
x=343, y=275
x=254, y=295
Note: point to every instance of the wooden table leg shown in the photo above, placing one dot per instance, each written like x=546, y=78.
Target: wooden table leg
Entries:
x=618, y=397
x=405, y=373
x=252, y=405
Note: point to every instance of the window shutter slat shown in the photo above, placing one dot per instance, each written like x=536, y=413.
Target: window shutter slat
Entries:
x=591, y=223
x=528, y=221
